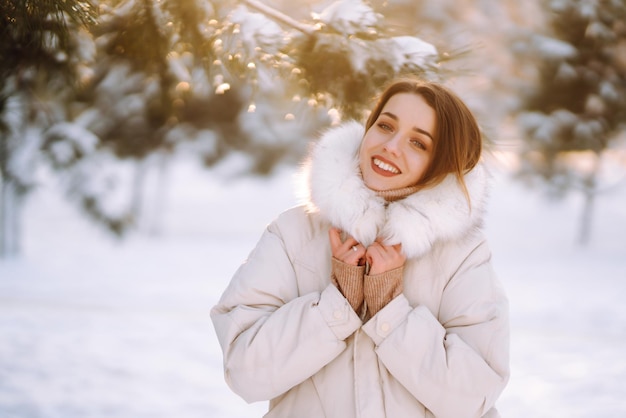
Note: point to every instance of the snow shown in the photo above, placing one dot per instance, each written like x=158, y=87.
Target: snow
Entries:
x=413, y=50
x=73, y=139
x=257, y=31
x=348, y=17
x=552, y=48
x=95, y=327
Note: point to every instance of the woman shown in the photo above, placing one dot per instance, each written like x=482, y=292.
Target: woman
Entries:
x=377, y=298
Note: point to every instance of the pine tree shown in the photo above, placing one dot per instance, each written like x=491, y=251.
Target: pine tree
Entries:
x=37, y=45
x=578, y=107
x=228, y=78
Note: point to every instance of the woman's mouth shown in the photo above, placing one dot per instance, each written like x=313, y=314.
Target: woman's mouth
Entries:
x=384, y=168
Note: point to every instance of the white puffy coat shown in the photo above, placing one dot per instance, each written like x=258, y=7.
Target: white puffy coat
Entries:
x=438, y=350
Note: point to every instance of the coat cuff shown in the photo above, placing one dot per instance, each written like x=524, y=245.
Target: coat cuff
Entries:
x=381, y=325
x=338, y=313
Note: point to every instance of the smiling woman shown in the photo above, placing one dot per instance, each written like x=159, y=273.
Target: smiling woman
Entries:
x=376, y=298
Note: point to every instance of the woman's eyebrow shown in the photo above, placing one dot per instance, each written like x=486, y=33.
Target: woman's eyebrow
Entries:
x=416, y=129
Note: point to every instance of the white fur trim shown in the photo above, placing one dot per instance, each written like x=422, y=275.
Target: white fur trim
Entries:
x=336, y=190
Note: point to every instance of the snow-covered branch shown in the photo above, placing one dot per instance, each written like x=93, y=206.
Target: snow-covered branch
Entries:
x=281, y=17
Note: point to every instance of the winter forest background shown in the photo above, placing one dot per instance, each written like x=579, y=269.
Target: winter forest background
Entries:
x=145, y=144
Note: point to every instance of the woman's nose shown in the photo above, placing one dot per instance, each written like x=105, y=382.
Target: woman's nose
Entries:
x=392, y=146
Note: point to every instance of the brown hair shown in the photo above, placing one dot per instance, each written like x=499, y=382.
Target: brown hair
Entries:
x=457, y=141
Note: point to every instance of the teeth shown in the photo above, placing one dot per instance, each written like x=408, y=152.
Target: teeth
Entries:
x=385, y=166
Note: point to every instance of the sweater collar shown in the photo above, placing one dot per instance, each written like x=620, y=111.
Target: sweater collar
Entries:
x=335, y=189
x=397, y=194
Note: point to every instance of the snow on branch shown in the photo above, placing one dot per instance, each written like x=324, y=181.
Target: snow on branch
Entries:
x=281, y=17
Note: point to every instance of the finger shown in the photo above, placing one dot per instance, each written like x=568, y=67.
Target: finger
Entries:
x=399, y=252
x=351, y=242
x=354, y=250
x=353, y=255
x=335, y=238
x=357, y=253
x=348, y=251
x=339, y=245
x=373, y=253
x=393, y=250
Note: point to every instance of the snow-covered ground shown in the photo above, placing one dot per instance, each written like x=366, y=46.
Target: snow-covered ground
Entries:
x=91, y=327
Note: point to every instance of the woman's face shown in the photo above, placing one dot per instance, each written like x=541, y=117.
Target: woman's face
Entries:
x=397, y=149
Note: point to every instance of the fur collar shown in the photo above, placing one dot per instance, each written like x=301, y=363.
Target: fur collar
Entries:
x=335, y=190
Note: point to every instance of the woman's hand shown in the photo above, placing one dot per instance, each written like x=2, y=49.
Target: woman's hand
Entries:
x=382, y=258
x=348, y=251
x=347, y=268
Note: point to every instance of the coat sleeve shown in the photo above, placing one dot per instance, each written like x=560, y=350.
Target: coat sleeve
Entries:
x=272, y=338
x=458, y=364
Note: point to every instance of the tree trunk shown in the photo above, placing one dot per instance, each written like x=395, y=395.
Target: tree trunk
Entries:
x=150, y=193
x=159, y=189
x=590, y=192
x=137, y=190
x=586, y=218
x=9, y=225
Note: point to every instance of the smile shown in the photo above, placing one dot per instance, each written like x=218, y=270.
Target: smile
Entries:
x=386, y=168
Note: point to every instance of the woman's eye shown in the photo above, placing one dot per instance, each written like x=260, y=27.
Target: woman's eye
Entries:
x=384, y=126
x=418, y=144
